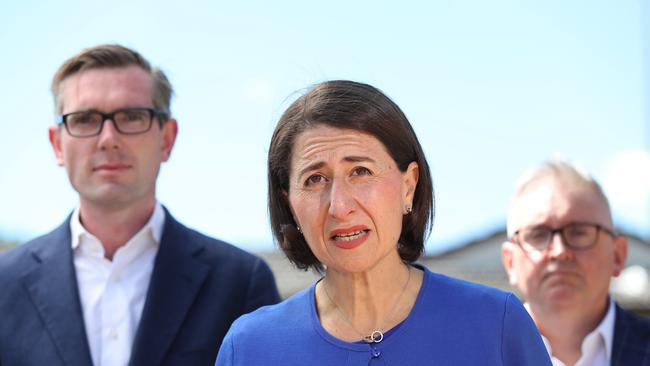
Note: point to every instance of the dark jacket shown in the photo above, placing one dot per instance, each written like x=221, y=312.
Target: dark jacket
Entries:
x=198, y=287
x=631, y=340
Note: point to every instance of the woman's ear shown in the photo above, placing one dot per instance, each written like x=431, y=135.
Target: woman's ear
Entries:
x=409, y=183
x=285, y=195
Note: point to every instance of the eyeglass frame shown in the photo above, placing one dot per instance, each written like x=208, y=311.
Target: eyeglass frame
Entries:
x=560, y=230
x=153, y=113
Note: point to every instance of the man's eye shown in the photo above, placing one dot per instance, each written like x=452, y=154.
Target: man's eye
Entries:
x=133, y=116
x=578, y=231
x=81, y=119
x=537, y=234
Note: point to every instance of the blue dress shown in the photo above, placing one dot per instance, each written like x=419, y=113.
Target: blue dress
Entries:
x=453, y=322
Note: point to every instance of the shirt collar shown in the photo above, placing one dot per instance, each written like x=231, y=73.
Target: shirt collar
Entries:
x=154, y=225
x=605, y=329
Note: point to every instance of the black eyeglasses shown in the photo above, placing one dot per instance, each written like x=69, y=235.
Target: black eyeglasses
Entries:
x=128, y=121
x=577, y=236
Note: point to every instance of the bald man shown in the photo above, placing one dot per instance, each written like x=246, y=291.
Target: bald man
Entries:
x=561, y=254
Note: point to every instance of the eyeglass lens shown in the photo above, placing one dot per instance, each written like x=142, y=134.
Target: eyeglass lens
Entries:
x=575, y=235
x=126, y=121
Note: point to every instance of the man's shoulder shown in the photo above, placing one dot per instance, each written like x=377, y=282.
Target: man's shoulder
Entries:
x=230, y=269
x=631, y=344
x=208, y=248
x=632, y=323
x=292, y=313
x=32, y=250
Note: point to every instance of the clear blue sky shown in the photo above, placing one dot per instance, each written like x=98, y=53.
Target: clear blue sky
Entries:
x=491, y=88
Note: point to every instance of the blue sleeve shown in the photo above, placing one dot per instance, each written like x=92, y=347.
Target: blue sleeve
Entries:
x=521, y=343
x=226, y=354
x=262, y=289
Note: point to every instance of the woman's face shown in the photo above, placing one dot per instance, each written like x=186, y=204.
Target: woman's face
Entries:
x=348, y=196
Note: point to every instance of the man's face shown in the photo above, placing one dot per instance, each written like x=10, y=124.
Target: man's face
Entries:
x=560, y=277
x=112, y=169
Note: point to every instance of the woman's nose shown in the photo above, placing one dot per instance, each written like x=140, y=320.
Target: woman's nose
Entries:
x=341, y=197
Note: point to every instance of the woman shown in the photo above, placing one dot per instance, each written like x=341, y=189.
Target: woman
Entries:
x=350, y=195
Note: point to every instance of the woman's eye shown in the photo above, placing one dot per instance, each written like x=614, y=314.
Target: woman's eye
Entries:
x=314, y=179
x=361, y=171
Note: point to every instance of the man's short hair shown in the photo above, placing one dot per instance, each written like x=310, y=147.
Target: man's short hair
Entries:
x=561, y=170
x=111, y=56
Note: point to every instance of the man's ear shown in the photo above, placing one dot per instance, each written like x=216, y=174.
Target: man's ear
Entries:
x=620, y=254
x=54, y=134
x=507, y=260
x=169, y=133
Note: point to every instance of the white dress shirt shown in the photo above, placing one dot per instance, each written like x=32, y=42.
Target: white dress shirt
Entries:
x=596, y=346
x=113, y=293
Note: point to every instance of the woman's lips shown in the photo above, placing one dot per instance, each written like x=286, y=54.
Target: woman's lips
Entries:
x=349, y=238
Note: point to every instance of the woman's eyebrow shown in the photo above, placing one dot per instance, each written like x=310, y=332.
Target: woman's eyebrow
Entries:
x=319, y=164
x=358, y=159
x=310, y=167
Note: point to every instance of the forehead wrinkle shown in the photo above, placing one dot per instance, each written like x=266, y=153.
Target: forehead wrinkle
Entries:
x=318, y=144
x=313, y=148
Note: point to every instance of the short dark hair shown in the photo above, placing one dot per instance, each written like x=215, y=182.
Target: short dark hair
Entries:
x=347, y=105
x=113, y=55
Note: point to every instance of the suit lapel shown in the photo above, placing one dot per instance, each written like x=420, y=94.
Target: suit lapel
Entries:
x=52, y=287
x=176, y=279
x=620, y=336
x=630, y=345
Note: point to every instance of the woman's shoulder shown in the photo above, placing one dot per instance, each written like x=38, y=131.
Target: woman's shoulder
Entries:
x=287, y=328
x=461, y=293
x=453, y=304
x=290, y=313
x=491, y=322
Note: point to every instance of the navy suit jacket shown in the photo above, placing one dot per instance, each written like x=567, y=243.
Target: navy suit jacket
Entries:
x=198, y=287
x=631, y=340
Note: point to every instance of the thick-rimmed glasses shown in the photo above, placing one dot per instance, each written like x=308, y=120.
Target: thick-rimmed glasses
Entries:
x=128, y=121
x=577, y=236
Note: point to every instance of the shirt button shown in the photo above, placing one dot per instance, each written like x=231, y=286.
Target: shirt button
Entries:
x=116, y=278
x=114, y=334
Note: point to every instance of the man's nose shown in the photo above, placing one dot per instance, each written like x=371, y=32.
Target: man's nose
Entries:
x=109, y=137
x=558, y=248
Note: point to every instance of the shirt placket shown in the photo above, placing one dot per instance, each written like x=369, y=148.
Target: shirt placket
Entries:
x=115, y=324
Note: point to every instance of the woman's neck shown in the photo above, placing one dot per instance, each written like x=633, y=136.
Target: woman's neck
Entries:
x=353, y=305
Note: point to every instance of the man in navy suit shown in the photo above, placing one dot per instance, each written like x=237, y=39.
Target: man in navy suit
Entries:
x=120, y=281
x=561, y=254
